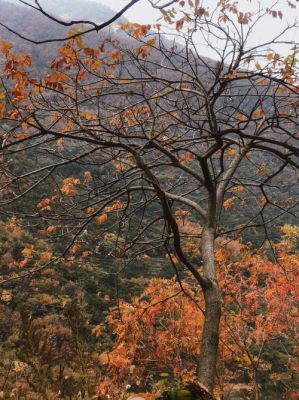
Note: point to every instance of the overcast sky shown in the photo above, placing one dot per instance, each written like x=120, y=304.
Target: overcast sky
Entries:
x=143, y=13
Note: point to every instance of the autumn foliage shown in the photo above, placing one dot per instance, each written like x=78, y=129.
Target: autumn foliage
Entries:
x=158, y=333
x=144, y=151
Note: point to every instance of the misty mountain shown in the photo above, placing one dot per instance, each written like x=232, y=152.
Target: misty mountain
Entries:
x=71, y=9
x=32, y=24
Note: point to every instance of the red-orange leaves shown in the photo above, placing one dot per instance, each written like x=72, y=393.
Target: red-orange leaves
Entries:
x=2, y=110
x=231, y=153
x=91, y=52
x=47, y=256
x=68, y=189
x=6, y=296
x=88, y=176
x=154, y=334
x=69, y=186
x=44, y=205
x=16, y=69
x=182, y=214
x=229, y=203
x=151, y=42
x=5, y=47
x=140, y=30
x=258, y=113
x=75, y=248
x=115, y=55
x=160, y=330
x=90, y=210
x=89, y=116
x=173, y=258
x=102, y=218
x=241, y=117
x=69, y=57
x=51, y=229
x=56, y=80
x=77, y=40
x=114, y=207
x=187, y=157
x=136, y=30
x=28, y=251
x=81, y=76
x=143, y=51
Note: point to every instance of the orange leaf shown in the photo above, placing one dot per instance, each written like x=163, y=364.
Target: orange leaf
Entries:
x=231, y=153
x=28, y=251
x=60, y=142
x=89, y=116
x=239, y=189
x=115, y=55
x=23, y=263
x=102, y=218
x=97, y=331
x=2, y=109
x=51, y=229
x=75, y=248
x=47, y=255
x=88, y=176
x=151, y=42
x=259, y=112
x=173, y=258
x=82, y=75
x=21, y=136
x=115, y=206
x=44, y=205
x=6, y=296
x=104, y=358
x=241, y=117
x=229, y=202
x=68, y=189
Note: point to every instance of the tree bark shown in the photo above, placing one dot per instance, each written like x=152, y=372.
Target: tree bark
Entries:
x=210, y=336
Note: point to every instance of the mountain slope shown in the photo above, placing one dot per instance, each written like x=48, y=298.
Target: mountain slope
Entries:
x=70, y=10
x=32, y=24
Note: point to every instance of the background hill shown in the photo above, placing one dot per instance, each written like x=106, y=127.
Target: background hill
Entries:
x=34, y=25
x=72, y=9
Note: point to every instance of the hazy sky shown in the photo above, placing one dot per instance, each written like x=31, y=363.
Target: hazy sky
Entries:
x=142, y=12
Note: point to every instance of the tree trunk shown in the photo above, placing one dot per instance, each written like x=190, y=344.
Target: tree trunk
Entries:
x=210, y=337
x=212, y=296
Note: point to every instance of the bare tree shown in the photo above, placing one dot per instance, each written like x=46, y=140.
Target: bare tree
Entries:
x=158, y=132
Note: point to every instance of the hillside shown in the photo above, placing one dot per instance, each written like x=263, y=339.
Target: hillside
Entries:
x=72, y=9
x=32, y=24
